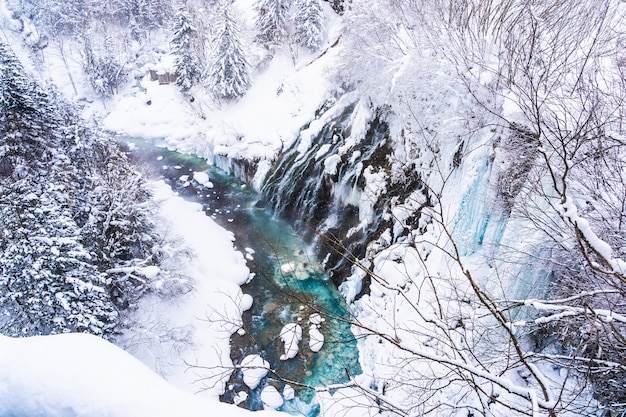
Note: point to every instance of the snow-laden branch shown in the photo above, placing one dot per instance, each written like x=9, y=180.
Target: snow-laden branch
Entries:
x=562, y=311
x=593, y=244
x=377, y=396
x=526, y=393
x=599, y=365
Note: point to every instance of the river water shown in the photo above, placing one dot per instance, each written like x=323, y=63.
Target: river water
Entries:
x=289, y=284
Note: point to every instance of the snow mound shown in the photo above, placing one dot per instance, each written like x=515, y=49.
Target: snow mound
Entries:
x=288, y=392
x=271, y=398
x=82, y=375
x=291, y=334
x=246, y=302
x=254, y=370
x=316, y=339
x=202, y=178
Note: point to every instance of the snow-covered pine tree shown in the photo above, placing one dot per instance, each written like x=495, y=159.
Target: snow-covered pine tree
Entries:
x=22, y=132
x=49, y=284
x=228, y=74
x=309, y=23
x=271, y=20
x=147, y=14
x=47, y=281
x=72, y=209
x=187, y=66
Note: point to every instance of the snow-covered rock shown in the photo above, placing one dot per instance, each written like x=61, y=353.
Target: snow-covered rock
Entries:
x=291, y=334
x=316, y=339
x=288, y=268
x=254, y=369
x=288, y=392
x=271, y=398
x=202, y=178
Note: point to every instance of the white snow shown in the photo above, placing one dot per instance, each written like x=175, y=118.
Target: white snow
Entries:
x=195, y=327
x=316, y=339
x=202, y=178
x=271, y=398
x=331, y=163
x=254, y=369
x=240, y=397
x=288, y=268
x=246, y=302
x=316, y=319
x=283, y=98
x=83, y=375
x=288, y=392
x=150, y=271
x=291, y=334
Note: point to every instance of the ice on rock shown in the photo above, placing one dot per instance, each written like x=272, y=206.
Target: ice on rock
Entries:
x=316, y=339
x=291, y=334
x=271, y=398
x=254, y=369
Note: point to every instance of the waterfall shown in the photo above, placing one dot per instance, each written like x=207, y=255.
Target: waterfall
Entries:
x=320, y=182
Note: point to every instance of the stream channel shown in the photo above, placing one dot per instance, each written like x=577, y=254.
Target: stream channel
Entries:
x=289, y=284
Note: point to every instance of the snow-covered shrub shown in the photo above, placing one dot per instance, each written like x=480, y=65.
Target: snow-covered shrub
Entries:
x=105, y=72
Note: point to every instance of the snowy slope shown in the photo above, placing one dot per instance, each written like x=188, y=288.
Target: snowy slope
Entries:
x=57, y=376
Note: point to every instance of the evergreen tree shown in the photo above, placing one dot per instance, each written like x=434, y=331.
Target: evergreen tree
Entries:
x=309, y=23
x=187, y=66
x=72, y=210
x=22, y=132
x=146, y=14
x=229, y=71
x=271, y=20
x=49, y=284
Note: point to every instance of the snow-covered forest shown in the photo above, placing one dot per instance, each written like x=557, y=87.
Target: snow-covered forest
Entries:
x=457, y=165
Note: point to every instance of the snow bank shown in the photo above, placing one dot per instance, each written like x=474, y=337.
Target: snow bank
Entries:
x=83, y=375
x=193, y=328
